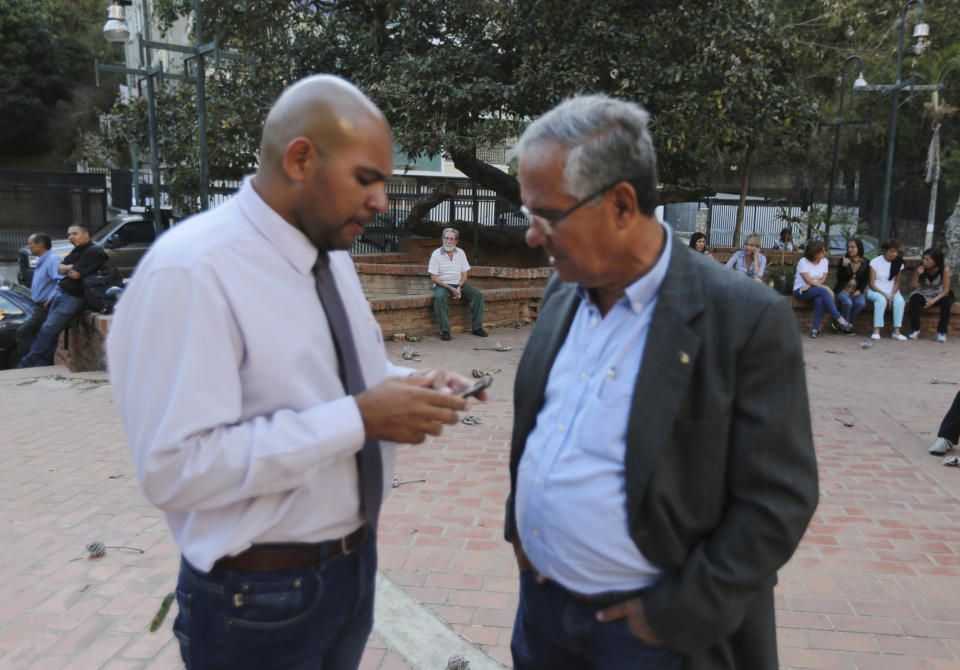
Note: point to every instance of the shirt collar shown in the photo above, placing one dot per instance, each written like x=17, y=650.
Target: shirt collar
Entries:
x=292, y=243
x=646, y=288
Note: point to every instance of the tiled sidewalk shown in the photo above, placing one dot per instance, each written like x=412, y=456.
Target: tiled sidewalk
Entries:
x=875, y=584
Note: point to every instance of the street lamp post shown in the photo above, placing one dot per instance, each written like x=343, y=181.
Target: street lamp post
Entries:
x=921, y=31
x=115, y=30
x=837, y=123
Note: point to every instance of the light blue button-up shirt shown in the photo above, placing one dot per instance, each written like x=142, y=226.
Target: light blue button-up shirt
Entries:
x=46, y=281
x=571, y=505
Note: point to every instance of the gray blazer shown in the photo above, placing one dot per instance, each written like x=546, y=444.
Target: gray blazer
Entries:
x=720, y=468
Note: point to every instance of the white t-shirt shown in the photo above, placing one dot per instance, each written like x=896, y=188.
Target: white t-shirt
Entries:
x=881, y=266
x=815, y=271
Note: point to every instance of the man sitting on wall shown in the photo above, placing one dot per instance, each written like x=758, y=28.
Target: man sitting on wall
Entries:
x=85, y=259
x=448, y=270
x=43, y=288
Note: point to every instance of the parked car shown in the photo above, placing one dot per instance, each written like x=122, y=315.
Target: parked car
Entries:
x=15, y=308
x=125, y=237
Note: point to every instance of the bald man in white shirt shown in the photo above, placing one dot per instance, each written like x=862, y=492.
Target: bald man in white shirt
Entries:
x=237, y=387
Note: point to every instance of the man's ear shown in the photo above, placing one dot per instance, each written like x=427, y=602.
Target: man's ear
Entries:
x=624, y=203
x=298, y=157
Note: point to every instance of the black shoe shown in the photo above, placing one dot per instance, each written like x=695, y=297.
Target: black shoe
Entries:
x=445, y=335
x=480, y=332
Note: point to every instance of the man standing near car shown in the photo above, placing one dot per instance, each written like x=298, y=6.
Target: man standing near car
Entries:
x=84, y=260
x=660, y=476
x=448, y=270
x=43, y=288
x=261, y=409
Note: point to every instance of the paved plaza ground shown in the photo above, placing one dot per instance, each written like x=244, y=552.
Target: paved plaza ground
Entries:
x=874, y=585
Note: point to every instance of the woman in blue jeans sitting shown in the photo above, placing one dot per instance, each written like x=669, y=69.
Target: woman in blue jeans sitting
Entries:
x=853, y=275
x=809, y=285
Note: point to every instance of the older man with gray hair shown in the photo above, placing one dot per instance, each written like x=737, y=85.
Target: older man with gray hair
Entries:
x=662, y=463
x=448, y=270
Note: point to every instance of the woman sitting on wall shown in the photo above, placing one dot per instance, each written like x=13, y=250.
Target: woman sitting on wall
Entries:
x=749, y=260
x=785, y=242
x=809, y=285
x=884, y=287
x=932, y=288
x=853, y=275
x=698, y=242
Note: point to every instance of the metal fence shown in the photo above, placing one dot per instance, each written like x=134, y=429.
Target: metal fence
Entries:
x=32, y=202
x=759, y=217
x=471, y=203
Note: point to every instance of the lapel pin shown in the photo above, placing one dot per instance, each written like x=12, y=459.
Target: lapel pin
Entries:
x=684, y=357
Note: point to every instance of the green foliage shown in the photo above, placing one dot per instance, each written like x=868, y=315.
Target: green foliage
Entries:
x=47, y=48
x=452, y=75
x=843, y=221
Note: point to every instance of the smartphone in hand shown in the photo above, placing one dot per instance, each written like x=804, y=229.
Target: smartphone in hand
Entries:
x=480, y=385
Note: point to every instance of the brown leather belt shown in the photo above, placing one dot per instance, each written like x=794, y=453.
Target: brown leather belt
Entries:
x=278, y=557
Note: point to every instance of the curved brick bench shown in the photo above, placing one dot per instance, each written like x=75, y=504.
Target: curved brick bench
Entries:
x=863, y=324
x=412, y=314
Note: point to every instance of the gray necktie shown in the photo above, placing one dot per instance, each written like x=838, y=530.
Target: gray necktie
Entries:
x=369, y=460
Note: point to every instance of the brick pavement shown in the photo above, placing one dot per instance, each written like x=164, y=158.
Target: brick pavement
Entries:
x=875, y=583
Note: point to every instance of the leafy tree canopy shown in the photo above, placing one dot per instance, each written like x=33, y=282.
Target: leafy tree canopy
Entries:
x=452, y=75
x=47, y=48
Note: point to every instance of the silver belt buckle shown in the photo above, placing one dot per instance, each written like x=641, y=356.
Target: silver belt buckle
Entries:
x=344, y=549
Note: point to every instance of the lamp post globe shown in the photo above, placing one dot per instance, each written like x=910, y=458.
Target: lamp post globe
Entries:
x=115, y=29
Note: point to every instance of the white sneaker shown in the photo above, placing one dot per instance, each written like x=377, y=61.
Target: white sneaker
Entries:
x=898, y=336
x=941, y=446
x=913, y=334
x=941, y=337
x=875, y=336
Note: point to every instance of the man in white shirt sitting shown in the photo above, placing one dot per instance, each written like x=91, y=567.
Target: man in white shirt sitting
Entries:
x=448, y=271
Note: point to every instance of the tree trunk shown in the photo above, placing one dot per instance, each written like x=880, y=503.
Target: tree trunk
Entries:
x=507, y=186
x=744, y=187
x=423, y=205
x=495, y=179
x=952, y=235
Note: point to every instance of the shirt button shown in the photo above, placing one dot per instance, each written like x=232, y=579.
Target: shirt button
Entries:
x=561, y=428
x=583, y=375
x=593, y=321
x=536, y=533
x=638, y=306
x=538, y=480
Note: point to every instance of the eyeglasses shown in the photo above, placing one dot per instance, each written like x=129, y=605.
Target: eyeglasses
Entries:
x=546, y=226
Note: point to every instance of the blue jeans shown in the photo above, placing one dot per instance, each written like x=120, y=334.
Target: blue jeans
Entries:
x=821, y=300
x=314, y=617
x=44, y=345
x=850, y=306
x=556, y=631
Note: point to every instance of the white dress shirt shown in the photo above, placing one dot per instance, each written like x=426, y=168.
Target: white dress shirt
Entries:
x=226, y=378
x=448, y=270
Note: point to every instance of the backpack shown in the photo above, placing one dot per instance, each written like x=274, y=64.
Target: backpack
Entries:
x=95, y=286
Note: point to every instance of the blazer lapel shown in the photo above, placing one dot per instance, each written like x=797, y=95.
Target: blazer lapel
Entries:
x=549, y=333
x=668, y=361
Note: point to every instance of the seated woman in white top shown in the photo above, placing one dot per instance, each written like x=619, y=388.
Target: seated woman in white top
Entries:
x=749, y=260
x=809, y=284
x=884, y=287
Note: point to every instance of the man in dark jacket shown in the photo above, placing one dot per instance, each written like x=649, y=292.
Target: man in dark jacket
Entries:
x=85, y=260
x=662, y=463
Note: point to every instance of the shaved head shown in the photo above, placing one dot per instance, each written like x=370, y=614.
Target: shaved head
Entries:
x=325, y=158
x=327, y=110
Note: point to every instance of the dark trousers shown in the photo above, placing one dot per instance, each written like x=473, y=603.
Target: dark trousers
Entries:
x=62, y=309
x=314, y=617
x=474, y=298
x=950, y=426
x=916, y=304
x=28, y=330
x=556, y=631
